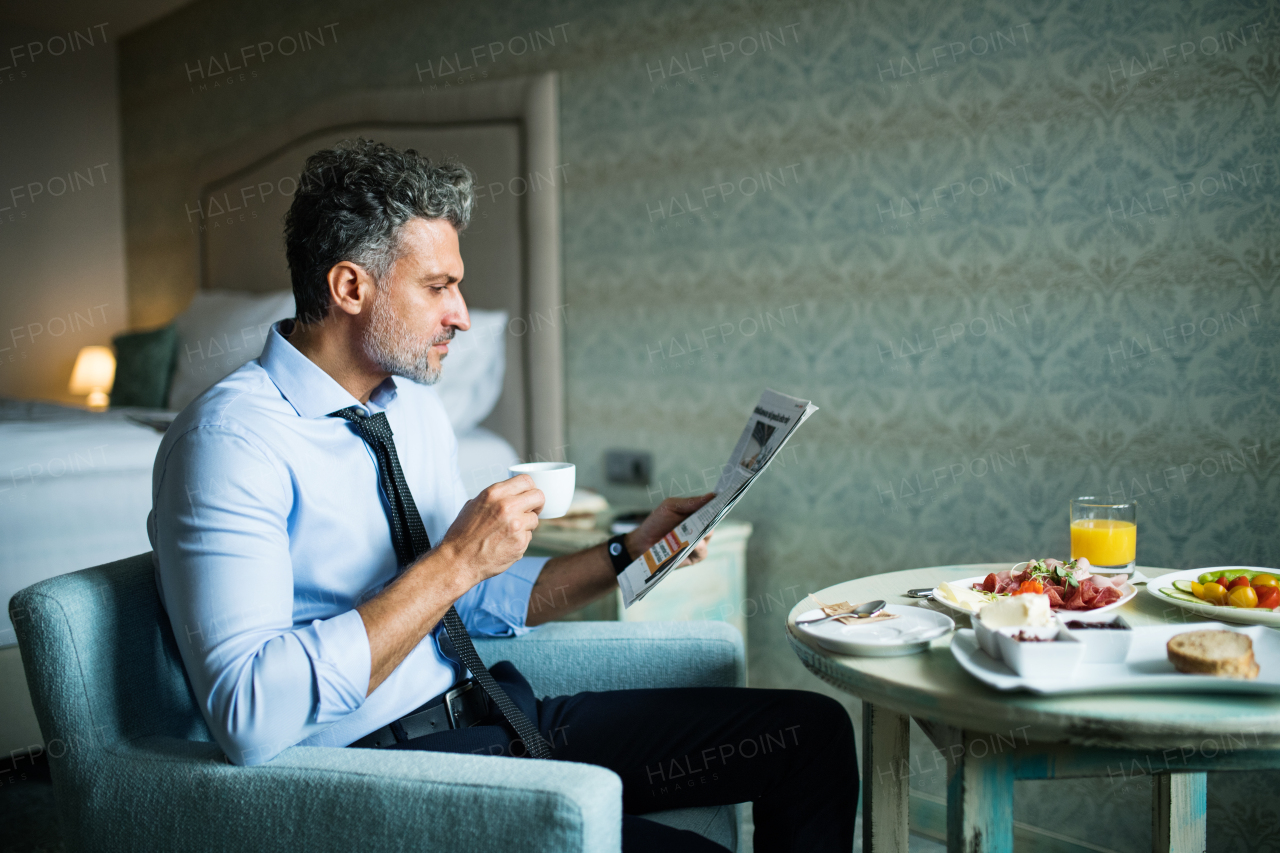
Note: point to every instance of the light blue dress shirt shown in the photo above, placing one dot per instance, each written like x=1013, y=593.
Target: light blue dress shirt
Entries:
x=269, y=526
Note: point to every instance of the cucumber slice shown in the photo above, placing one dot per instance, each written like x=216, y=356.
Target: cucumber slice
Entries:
x=1183, y=586
x=1207, y=577
x=1182, y=596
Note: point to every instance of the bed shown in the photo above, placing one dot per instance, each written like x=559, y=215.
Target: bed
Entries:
x=76, y=489
x=75, y=485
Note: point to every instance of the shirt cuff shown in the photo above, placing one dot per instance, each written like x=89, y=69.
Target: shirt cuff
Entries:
x=340, y=656
x=504, y=604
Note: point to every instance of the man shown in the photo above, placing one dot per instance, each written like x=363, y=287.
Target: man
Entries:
x=322, y=568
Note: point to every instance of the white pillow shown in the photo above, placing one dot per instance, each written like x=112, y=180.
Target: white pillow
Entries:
x=219, y=331
x=471, y=381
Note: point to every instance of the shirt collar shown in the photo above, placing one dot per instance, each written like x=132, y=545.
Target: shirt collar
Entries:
x=312, y=392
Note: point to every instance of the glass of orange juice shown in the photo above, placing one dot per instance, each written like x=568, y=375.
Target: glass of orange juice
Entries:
x=1104, y=533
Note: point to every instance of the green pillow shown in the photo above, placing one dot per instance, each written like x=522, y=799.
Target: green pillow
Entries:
x=145, y=362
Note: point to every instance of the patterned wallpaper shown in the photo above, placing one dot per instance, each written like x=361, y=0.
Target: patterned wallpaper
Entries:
x=1015, y=251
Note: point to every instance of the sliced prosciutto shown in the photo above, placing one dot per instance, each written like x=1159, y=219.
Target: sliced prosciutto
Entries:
x=1003, y=583
x=1069, y=587
x=1090, y=595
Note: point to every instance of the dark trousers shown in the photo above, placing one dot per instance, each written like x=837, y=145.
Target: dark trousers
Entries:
x=788, y=752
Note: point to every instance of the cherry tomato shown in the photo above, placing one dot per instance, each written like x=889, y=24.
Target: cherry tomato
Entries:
x=1031, y=586
x=1215, y=593
x=1265, y=580
x=1223, y=582
x=1238, y=582
x=1197, y=589
x=1269, y=597
x=1243, y=596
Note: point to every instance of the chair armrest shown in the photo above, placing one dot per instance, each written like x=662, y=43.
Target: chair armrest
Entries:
x=568, y=657
x=167, y=794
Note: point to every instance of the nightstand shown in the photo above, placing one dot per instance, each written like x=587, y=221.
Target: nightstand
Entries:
x=716, y=588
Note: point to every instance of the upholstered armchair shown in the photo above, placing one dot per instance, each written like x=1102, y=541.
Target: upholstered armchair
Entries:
x=134, y=766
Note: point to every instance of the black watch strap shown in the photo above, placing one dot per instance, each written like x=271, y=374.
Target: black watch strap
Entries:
x=618, y=554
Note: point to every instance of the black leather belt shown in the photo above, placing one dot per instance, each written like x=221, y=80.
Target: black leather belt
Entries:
x=459, y=708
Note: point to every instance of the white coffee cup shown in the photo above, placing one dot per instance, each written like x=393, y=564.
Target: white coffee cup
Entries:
x=555, y=479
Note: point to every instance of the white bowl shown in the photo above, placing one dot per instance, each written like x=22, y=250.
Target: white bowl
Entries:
x=1059, y=655
x=1105, y=645
x=987, y=637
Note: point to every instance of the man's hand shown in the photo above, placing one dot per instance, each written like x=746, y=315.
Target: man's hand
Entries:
x=492, y=532
x=573, y=581
x=663, y=520
x=493, y=529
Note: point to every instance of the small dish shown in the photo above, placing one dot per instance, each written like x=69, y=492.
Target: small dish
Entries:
x=987, y=636
x=1060, y=654
x=1101, y=645
x=910, y=633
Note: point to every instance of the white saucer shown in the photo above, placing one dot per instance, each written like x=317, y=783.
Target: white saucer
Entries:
x=911, y=632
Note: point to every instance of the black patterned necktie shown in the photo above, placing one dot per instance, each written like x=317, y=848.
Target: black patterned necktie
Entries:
x=409, y=536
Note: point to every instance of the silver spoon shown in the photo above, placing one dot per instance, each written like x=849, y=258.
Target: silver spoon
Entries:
x=862, y=611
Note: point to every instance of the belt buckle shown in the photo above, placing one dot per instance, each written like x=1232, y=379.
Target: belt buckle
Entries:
x=452, y=695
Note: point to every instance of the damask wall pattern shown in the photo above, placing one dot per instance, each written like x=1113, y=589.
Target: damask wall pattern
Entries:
x=1015, y=251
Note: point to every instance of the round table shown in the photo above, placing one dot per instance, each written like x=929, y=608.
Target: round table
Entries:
x=990, y=738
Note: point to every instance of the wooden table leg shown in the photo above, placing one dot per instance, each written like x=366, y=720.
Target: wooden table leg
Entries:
x=1178, y=805
x=886, y=779
x=979, y=796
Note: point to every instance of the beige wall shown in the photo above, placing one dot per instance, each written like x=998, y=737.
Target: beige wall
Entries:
x=62, y=274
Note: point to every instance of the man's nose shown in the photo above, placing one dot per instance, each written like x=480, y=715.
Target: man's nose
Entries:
x=458, y=316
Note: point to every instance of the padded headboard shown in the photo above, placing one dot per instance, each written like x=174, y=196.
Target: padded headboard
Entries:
x=507, y=131
x=242, y=244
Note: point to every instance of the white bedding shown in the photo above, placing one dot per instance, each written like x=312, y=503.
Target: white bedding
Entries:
x=74, y=492
x=75, y=489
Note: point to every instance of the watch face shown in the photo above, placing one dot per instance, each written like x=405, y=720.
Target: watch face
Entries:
x=615, y=548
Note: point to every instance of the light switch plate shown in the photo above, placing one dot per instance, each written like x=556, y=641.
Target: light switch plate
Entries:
x=628, y=467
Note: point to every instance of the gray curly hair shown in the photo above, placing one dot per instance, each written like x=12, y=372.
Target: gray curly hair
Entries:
x=352, y=200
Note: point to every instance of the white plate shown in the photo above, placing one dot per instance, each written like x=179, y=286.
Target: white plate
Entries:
x=1240, y=615
x=1145, y=670
x=911, y=632
x=1127, y=591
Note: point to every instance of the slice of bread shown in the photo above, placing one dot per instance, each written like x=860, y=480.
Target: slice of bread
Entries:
x=1226, y=654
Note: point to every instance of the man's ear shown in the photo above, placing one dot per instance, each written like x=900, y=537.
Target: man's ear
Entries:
x=350, y=287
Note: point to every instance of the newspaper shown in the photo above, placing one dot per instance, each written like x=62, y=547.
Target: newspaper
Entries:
x=772, y=423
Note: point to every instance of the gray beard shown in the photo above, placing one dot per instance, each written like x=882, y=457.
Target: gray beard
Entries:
x=392, y=345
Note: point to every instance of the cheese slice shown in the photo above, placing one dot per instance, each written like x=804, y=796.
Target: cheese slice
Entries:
x=1019, y=611
x=963, y=596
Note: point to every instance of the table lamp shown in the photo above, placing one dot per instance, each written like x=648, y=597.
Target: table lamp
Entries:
x=93, y=374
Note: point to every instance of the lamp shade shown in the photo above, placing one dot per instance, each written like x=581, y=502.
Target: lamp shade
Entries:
x=95, y=370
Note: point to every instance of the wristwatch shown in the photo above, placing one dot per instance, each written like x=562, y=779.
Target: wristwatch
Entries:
x=618, y=554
